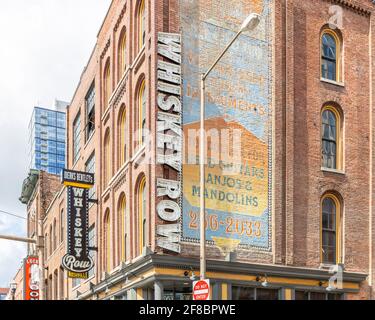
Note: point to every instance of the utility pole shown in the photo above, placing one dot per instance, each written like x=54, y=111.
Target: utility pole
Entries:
x=18, y=239
x=39, y=242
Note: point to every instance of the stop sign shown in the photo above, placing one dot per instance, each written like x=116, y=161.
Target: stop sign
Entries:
x=201, y=290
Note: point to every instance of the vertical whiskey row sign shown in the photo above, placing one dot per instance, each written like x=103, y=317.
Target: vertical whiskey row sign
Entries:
x=169, y=140
x=77, y=261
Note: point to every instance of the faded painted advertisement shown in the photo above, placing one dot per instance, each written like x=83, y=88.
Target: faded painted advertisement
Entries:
x=238, y=100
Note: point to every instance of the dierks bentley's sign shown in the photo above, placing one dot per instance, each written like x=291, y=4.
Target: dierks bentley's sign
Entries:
x=77, y=260
x=77, y=179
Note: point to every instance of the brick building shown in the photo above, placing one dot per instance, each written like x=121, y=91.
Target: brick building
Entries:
x=300, y=87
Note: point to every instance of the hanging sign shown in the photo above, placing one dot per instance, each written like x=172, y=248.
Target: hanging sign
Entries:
x=77, y=260
x=77, y=179
x=31, y=278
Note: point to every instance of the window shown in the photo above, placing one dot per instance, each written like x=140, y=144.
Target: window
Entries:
x=55, y=285
x=107, y=159
x=330, y=55
x=92, y=244
x=331, y=220
x=90, y=112
x=142, y=214
x=306, y=295
x=76, y=138
x=107, y=241
x=141, y=25
x=76, y=282
x=331, y=138
x=142, y=102
x=62, y=223
x=50, y=240
x=90, y=168
x=107, y=84
x=122, y=54
x=61, y=286
x=46, y=246
x=122, y=226
x=54, y=235
x=249, y=293
x=122, y=137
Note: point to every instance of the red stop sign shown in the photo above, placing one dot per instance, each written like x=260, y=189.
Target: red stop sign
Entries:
x=201, y=290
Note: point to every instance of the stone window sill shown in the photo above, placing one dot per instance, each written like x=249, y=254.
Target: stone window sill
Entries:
x=336, y=83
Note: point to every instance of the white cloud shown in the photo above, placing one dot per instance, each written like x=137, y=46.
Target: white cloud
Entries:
x=45, y=46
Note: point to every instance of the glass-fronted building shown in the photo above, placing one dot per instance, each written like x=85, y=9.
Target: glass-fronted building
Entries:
x=47, y=136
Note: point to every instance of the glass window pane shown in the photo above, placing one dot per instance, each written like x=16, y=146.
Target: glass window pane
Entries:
x=301, y=295
x=267, y=294
x=243, y=293
x=317, y=296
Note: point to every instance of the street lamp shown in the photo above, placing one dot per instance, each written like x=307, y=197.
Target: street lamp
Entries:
x=13, y=288
x=250, y=23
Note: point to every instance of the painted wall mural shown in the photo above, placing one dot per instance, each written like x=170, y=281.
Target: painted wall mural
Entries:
x=238, y=99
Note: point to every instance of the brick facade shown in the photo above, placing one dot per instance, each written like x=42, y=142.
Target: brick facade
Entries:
x=299, y=181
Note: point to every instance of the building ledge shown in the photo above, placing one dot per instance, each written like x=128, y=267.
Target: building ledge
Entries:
x=165, y=262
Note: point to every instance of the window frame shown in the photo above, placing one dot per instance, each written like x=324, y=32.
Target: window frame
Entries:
x=107, y=87
x=62, y=225
x=142, y=112
x=122, y=54
x=339, y=165
x=338, y=229
x=141, y=25
x=77, y=137
x=338, y=60
x=107, y=242
x=122, y=127
x=90, y=116
x=107, y=159
x=141, y=214
x=122, y=211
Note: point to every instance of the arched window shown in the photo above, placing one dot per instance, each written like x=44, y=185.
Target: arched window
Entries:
x=141, y=25
x=46, y=246
x=50, y=240
x=122, y=137
x=54, y=235
x=107, y=242
x=331, y=229
x=122, y=54
x=107, y=159
x=142, y=214
x=330, y=57
x=122, y=226
x=331, y=138
x=62, y=223
x=142, y=104
x=107, y=84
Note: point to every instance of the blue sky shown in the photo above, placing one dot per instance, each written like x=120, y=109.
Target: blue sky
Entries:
x=45, y=46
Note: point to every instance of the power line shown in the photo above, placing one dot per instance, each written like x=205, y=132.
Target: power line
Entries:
x=13, y=215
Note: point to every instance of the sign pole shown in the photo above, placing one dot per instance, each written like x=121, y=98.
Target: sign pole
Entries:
x=202, y=184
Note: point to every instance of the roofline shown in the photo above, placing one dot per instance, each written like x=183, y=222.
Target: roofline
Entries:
x=105, y=18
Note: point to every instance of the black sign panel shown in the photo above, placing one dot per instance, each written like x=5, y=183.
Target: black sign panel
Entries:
x=77, y=179
x=77, y=259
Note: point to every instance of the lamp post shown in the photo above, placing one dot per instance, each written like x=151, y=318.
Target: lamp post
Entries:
x=13, y=288
x=250, y=23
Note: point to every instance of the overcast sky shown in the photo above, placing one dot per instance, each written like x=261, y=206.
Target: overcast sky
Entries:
x=45, y=46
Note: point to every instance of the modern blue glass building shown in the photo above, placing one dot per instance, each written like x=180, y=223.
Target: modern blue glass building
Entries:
x=47, y=137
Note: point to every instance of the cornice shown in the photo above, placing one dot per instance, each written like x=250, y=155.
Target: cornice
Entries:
x=355, y=6
x=120, y=17
x=104, y=52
